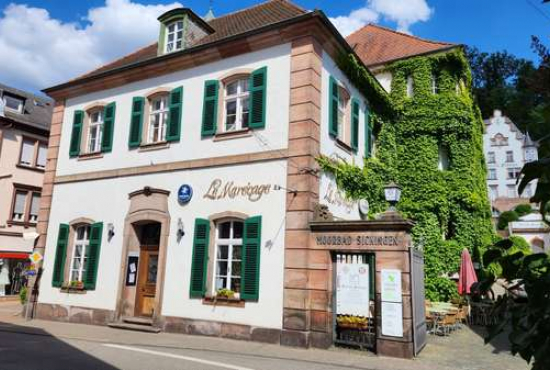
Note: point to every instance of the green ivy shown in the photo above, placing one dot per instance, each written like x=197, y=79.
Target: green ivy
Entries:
x=451, y=207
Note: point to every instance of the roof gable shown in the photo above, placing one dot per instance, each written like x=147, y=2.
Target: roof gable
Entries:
x=378, y=45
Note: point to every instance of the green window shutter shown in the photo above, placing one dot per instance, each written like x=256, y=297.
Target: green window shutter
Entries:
x=333, y=108
x=355, y=124
x=250, y=271
x=210, y=108
x=368, y=133
x=200, y=258
x=174, y=117
x=74, y=149
x=258, y=97
x=60, y=255
x=371, y=261
x=108, y=127
x=92, y=256
x=136, y=122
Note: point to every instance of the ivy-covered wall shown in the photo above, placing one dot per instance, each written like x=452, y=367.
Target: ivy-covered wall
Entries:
x=450, y=206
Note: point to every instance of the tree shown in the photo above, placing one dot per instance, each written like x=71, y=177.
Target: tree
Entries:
x=509, y=259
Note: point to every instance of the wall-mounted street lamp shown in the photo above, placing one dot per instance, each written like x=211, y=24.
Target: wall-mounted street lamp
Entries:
x=392, y=193
x=110, y=230
x=181, y=231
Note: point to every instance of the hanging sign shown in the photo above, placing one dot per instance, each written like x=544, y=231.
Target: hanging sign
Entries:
x=185, y=193
x=391, y=286
x=352, y=289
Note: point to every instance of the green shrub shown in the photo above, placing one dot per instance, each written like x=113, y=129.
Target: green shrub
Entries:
x=523, y=209
x=23, y=295
x=505, y=218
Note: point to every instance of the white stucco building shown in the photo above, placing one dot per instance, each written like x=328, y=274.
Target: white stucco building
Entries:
x=181, y=179
x=532, y=228
x=506, y=149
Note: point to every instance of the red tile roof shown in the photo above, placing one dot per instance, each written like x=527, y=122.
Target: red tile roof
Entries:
x=244, y=20
x=377, y=45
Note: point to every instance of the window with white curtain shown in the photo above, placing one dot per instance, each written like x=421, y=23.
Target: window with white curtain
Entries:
x=410, y=87
x=95, y=131
x=79, y=256
x=236, y=105
x=158, y=119
x=229, y=243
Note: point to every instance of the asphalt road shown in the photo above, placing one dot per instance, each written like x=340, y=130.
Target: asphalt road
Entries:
x=24, y=351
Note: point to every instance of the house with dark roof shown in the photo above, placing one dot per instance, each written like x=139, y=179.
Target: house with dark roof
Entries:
x=24, y=128
x=191, y=174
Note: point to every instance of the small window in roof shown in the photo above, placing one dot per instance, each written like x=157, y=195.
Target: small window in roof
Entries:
x=174, y=36
x=13, y=102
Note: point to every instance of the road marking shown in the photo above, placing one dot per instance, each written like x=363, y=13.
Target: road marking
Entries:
x=171, y=355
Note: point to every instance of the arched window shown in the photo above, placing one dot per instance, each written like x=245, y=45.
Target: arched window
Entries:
x=80, y=252
x=228, y=255
x=236, y=103
x=95, y=130
x=158, y=118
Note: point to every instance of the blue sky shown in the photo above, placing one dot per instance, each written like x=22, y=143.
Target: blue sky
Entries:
x=89, y=33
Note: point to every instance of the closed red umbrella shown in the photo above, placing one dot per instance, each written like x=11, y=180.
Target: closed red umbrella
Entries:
x=467, y=273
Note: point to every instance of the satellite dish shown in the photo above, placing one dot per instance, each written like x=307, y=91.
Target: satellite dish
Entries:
x=364, y=207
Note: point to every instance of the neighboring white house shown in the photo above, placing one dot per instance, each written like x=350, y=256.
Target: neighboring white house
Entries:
x=185, y=173
x=506, y=149
x=534, y=230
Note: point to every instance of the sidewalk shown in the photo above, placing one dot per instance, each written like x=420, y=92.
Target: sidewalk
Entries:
x=463, y=350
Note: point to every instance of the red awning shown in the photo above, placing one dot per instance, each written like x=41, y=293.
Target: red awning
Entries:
x=14, y=255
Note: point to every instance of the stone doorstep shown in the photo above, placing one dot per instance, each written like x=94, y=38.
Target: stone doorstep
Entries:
x=145, y=321
x=134, y=327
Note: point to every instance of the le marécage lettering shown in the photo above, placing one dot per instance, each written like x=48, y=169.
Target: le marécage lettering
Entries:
x=219, y=190
x=360, y=240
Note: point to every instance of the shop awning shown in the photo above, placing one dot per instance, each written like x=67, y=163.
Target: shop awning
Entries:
x=14, y=255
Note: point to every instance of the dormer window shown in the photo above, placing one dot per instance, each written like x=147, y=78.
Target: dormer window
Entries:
x=174, y=36
x=181, y=28
x=13, y=103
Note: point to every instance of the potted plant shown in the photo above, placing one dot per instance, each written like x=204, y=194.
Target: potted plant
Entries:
x=226, y=294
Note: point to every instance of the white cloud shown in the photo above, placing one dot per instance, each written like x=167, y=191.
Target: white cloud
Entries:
x=38, y=51
x=355, y=20
x=403, y=12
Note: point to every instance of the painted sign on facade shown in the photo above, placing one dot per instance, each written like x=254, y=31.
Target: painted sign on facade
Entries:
x=352, y=289
x=336, y=197
x=229, y=190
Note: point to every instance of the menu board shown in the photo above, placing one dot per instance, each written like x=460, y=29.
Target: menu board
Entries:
x=352, y=289
x=392, y=319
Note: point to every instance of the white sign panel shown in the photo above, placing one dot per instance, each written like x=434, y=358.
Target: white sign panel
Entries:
x=392, y=319
x=391, y=286
x=352, y=289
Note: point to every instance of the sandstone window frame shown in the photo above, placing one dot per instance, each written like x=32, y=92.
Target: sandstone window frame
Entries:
x=38, y=145
x=28, y=218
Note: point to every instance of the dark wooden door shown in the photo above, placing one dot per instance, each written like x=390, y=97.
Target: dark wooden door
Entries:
x=147, y=282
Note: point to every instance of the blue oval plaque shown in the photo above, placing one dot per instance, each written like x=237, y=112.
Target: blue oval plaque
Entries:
x=185, y=193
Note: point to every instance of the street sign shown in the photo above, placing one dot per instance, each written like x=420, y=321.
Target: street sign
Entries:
x=36, y=257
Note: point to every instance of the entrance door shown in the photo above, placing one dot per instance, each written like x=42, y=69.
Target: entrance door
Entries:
x=147, y=273
x=147, y=282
